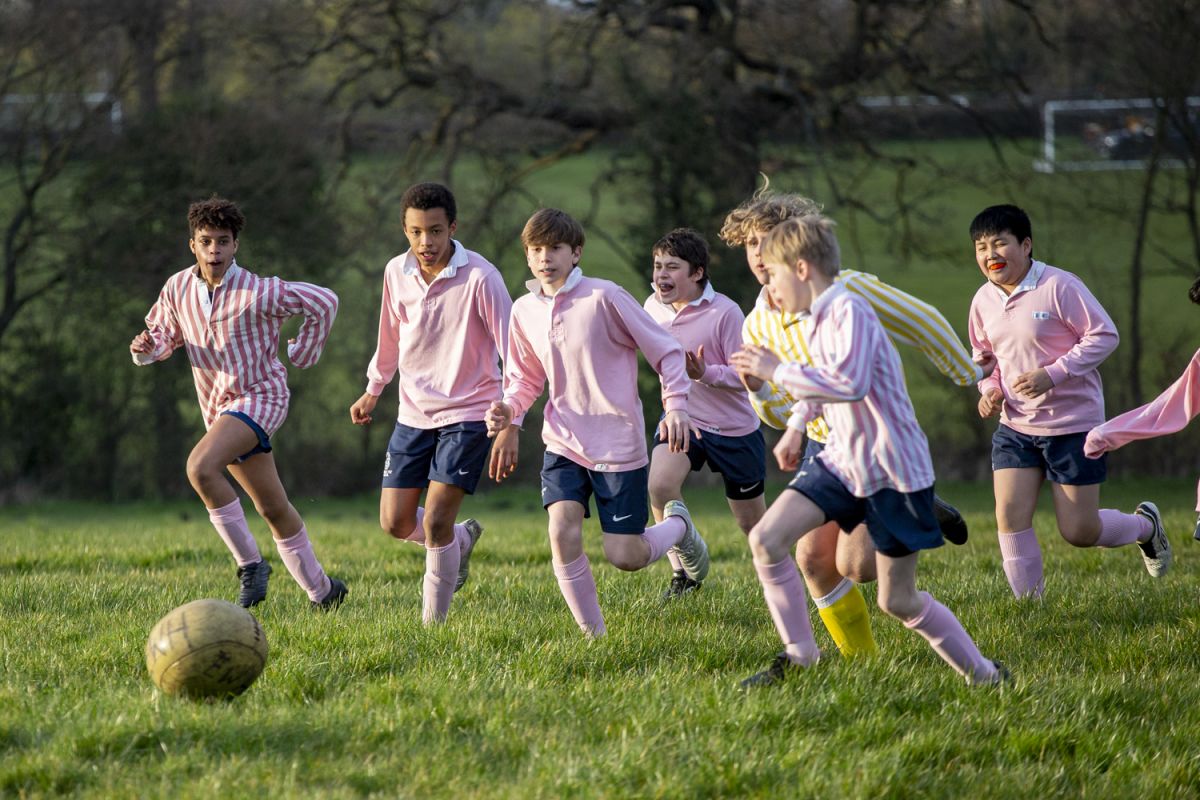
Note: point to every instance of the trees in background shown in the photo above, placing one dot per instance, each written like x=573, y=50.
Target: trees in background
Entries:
x=315, y=114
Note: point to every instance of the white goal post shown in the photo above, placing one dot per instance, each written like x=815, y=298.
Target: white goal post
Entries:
x=1083, y=135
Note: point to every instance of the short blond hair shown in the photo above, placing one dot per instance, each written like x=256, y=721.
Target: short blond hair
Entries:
x=762, y=212
x=810, y=238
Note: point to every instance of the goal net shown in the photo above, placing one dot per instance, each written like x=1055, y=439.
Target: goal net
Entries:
x=1106, y=134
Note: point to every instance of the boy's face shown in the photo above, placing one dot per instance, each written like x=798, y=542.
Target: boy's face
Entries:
x=1003, y=260
x=551, y=264
x=674, y=280
x=429, y=231
x=788, y=288
x=753, y=245
x=214, y=249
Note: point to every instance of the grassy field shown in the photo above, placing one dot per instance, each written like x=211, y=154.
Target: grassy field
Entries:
x=509, y=700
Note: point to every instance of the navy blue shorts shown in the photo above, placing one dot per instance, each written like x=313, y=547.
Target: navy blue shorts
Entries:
x=1060, y=456
x=452, y=454
x=621, y=498
x=264, y=441
x=812, y=449
x=740, y=460
x=899, y=523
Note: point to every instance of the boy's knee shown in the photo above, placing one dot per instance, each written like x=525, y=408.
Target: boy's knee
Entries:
x=1080, y=534
x=904, y=606
x=398, y=528
x=816, y=564
x=765, y=546
x=202, y=471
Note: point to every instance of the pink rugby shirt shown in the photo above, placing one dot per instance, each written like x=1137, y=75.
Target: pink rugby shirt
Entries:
x=1051, y=320
x=717, y=402
x=232, y=338
x=445, y=339
x=856, y=381
x=584, y=342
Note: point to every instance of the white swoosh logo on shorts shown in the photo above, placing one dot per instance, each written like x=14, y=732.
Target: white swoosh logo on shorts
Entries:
x=619, y=519
x=463, y=471
x=750, y=488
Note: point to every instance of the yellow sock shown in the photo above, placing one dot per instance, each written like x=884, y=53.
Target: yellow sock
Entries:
x=848, y=623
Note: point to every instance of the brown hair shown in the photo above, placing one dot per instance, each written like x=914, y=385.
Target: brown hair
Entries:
x=762, y=212
x=549, y=226
x=215, y=212
x=686, y=244
x=810, y=238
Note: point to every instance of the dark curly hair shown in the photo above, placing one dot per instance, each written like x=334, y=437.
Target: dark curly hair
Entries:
x=215, y=212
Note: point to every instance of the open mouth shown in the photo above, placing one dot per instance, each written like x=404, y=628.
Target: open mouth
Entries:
x=996, y=266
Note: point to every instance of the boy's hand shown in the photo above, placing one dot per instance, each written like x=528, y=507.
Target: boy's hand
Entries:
x=360, y=412
x=751, y=383
x=142, y=343
x=755, y=360
x=990, y=403
x=504, y=454
x=1033, y=383
x=987, y=362
x=675, y=429
x=789, y=450
x=695, y=363
x=498, y=417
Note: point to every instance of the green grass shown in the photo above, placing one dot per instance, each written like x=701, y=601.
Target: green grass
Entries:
x=509, y=700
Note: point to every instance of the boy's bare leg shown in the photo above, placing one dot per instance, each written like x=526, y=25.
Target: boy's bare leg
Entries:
x=668, y=471
x=747, y=513
x=839, y=601
x=1016, y=493
x=401, y=515
x=260, y=478
x=571, y=567
x=856, y=555
x=226, y=440
x=919, y=611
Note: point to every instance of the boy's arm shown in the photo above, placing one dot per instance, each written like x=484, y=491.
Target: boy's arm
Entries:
x=728, y=338
x=162, y=335
x=318, y=306
x=524, y=375
x=914, y=322
x=494, y=306
x=1081, y=311
x=981, y=346
x=662, y=350
x=382, y=367
x=1170, y=412
x=770, y=402
x=846, y=377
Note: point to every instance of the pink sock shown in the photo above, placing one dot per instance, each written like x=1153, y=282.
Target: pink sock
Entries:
x=230, y=522
x=417, y=535
x=579, y=589
x=1118, y=528
x=462, y=537
x=676, y=564
x=663, y=536
x=441, y=572
x=1023, y=563
x=946, y=636
x=297, y=555
x=788, y=603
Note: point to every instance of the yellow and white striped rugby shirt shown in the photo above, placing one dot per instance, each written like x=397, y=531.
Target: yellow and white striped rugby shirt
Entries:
x=906, y=319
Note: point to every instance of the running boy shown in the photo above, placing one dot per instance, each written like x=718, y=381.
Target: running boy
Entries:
x=228, y=320
x=875, y=467
x=1049, y=335
x=833, y=563
x=582, y=335
x=443, y=326
x=709, y=327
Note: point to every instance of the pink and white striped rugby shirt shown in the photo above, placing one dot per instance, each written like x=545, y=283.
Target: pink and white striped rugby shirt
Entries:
x=232, y=338
x=857, y=382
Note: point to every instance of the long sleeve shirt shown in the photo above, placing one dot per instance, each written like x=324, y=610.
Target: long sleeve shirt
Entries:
x=445, y=338
x=1170, y=412
x=906, y=319
x=856, y=380
x=231, y=336
x=583, y=342
x=717, y=399
x=1050, y=321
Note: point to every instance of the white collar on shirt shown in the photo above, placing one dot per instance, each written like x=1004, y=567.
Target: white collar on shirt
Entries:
x=1028, y=283
x=535, y=286
x=458, y=259
x=824, y=299
x=203, y=295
